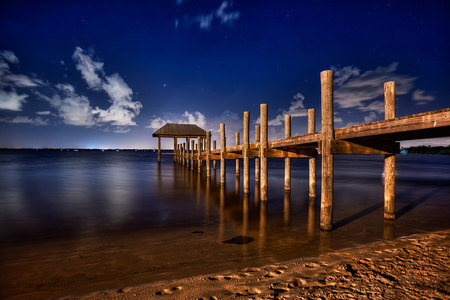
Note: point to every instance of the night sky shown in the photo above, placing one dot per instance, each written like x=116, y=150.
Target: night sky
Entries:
x=107, y=74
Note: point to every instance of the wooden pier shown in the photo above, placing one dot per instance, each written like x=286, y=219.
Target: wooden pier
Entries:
x=381, y=138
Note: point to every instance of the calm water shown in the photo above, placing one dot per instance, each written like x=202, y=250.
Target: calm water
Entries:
x=165, y=221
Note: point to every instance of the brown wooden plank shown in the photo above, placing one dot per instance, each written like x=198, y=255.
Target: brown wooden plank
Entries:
x=346, y=147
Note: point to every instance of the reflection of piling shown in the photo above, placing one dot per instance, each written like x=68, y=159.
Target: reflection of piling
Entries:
x=287, y=208
x=208, y=154
x=389, y=160
x=214, y=161
x=326, y=209
x=237, y=159
x=312, y=160
x=257, y=140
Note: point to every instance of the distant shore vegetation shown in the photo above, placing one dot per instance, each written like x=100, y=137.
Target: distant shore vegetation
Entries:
x=439, y=150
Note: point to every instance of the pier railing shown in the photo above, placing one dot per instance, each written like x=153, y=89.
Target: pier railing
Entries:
x=379, y=137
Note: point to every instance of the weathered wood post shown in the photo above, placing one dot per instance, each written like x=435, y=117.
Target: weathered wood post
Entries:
x=262, y=152
x=199, y=154
x=214, y=161
x=257, y=140
x=326, y=205
x=187, y=151
x=245, y=152
x=192, y=154
x=175, y=149
x=287, y=160
x=389, y=160
x=208, y=153
x=222, y=153
x=159, y=149
x=237, y=160
x=183, y=150
x=312, y=160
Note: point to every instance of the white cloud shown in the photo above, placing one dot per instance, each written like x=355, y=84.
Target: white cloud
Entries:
x=11, y=100
x=9, y=56
x=26, y=120
x=206, y=20
x=297, y=109
x=196, y=118
x=88, y=68
x=356, y=91
x=227, y=17
x=44, y=113
x=370, y=118
x=419, y=95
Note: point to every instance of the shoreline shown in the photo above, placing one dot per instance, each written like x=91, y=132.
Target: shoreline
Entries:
x=415, y=266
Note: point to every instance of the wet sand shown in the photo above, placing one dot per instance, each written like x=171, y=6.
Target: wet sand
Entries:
x=412, y=267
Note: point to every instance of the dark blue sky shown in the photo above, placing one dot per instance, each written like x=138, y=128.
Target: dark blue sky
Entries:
x=106, y=74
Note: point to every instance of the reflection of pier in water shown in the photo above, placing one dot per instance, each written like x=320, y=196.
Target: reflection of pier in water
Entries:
x=239, y=214
x=375, y=138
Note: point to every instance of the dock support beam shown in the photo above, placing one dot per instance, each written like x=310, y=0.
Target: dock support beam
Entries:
x=326, y=203
x=159, y=149
x=245, y=152
x=287, y=161
x=192, y=154
x=208, y=153
x=262, y=152
x=222, y=153
x=174, y=149
x=214, y=161
x=389, y=160
x=312, y=160
x=257, y=140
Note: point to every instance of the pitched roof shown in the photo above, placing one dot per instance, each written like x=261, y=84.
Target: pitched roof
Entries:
x=179, y=130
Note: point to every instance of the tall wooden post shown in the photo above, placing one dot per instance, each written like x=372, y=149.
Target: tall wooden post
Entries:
x=214, y=161
x=175, y=149
x=183, y=150
x=159, y=149
x=245, y=152
x=262, y=153
x=208, y=153
x=287, y=160
x=389, y=160
x=238, y=173
x=326, y=205
x=188, y=153
x=199, y=154
x=312, y=160
x=222, y=153
x=192, y=154
x=257, y=140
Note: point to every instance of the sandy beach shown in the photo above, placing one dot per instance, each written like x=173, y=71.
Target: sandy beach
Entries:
x=412, y=267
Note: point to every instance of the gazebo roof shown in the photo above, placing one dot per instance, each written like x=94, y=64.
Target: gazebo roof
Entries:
x=179, y=130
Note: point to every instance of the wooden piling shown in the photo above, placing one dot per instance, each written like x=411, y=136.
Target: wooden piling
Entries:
x=326, y=210
x=312, y=160
x=214, y=161
x=199, y=154
x=287, y=160
x=245, y=152
x=192, y=154
x=174, y=149
x=208, y=153
x=262, y=153
x=237, y=160
x=159, y=149
x=187, y=151
x=257, y=165
x=389, y=160
x=222, y=153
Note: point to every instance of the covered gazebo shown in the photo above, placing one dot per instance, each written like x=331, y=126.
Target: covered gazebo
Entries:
x=171, y=130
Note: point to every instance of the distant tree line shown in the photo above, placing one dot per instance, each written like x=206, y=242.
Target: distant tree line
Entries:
x=428, y=150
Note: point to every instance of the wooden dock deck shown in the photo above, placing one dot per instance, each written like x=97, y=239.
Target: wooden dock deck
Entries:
x=381, y=138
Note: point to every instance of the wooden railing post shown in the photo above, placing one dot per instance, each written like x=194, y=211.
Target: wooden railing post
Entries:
x=214, y=161
x=312, y=160
x=222, y=153
x=287, y=161
x=326, y=205
x=389, y=160
x=262, y=154
x=245, y=152
x=208, y=153
x=257, y=160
